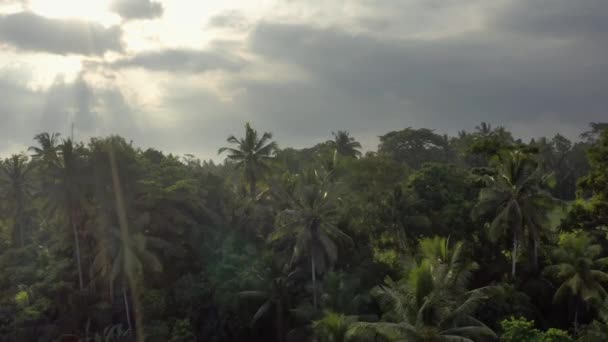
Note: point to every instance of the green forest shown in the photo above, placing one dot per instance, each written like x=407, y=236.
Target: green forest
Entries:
x=475, y=237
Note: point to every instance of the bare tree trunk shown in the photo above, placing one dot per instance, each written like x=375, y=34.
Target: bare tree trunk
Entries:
x=21, y=243
x=576, y=305
x=514, y=255
x=279, y=313
x=314, y=279
x=535, y=255
x=77, y=247
x=127, y=311
x=252, y=185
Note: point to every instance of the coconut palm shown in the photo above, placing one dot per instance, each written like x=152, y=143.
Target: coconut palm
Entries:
x=275, y=295
x=311, y=219
x=578, y=269
x=515, y=202
x=122, y=259
x=16, y=189
x=251, y=155
x=47, y=150
x=345, y=145
x=65, y=195
x=431, y=303
x=333, y=327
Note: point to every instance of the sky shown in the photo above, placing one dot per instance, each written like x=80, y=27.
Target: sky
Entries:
x=182, y=75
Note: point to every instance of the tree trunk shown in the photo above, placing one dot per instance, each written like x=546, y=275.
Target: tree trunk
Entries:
x=576, y=316
x=535, y=255
x=127, y=310
x=514, y=255
x=314, y=280
x=279, y=313
x=21, y=243
x=252, y=185
x=77, y=247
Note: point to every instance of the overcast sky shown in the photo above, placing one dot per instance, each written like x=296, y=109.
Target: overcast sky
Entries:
x=181, y=75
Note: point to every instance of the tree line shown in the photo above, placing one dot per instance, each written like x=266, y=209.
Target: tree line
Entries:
x=473, y=237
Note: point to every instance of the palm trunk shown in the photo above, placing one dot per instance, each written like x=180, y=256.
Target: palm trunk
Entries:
x=514, y=255
x=21, y=243
x=576, y=302
x=576, y=320
x=77, y=247
x=279, y=313
x=535, y=255
x=127, y=310
x=252, y=186
x=314, y=280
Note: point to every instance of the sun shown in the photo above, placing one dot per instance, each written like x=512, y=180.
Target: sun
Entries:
x=90, y=10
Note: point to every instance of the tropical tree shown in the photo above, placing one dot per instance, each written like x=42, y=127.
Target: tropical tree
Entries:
x=16, y=189
x=47, y=150
x=121, y=258
x=514, y=201
x=275, y=296
x=311, y=219
x=345, y=145
x=432, y=302
x=333, y=327
x=578, y=268
x=251, y=155
x=65, y=193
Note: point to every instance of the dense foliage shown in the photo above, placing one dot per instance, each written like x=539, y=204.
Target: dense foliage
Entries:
x=478, y=237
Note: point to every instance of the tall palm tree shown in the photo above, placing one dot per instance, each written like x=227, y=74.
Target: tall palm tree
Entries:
x=251, y=155
x=17, y=189
x=432, y=302
x=65, y=194
x=311, y=218
x=122, y=259
x=345, y=145
x=48, y=146
x=515, y=201
x=578, y=268
x=275, y=296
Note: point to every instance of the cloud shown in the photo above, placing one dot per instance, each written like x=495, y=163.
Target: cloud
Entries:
x=182, y=61
x=94, y=110
x=446, y=82
x=368, y=66
x=231, y=19
x=31, y=32
x=137, y=9
x=560, y=19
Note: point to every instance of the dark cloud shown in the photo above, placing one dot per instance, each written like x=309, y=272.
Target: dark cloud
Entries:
x=182, y=60
x=137, y=9
x=556, y=18
x=537, y=67
x=31, y=32
x=446, y=82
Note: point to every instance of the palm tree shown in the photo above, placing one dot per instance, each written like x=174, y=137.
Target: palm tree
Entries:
x=333, y=327
x=48, y=146
x=65, y=195
x=578, y=267
x=345, y=145
x=431, y=303
x=275, y=298
x=251, y=154
x=16, y=189
x=123, y=258
x=516, y=202
x=311, y=219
